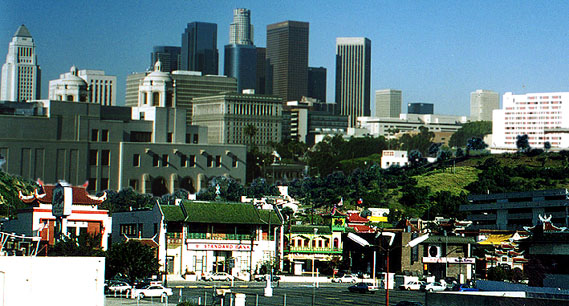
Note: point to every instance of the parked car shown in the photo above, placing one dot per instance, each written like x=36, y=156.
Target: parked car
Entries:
x=151, y=291
x=120, y=287
x=464, y=287
x=262, y=278
x=363, y=288
x=407, y=303
x=412, y=285
x=345, y=279
x=434, y=286
x=219, y=276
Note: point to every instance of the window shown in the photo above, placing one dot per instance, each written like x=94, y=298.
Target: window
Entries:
x=133, y=184
x=94, y=135
x=165, y=160
x=196, y=138
x=169, y=137
x=93, y=157
x=140, y=136
x=209, y=161
x=218, y=161
x=234, y=162
x=92, y=184
x=192, y=161
x=155, y=160
x=183, y=161
x=104, y=183
x=131, y=230
x=105, y=135
x=105, y=157
x=136, y=160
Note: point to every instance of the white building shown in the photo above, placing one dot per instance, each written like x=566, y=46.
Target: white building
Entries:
x=388, y=127
x=69, y=87
x=482, y=103
x=102, y=87
x=21, y=74
x=391, y=157
x=541, y=116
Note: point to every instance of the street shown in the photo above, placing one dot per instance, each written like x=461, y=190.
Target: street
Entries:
x=293, y=294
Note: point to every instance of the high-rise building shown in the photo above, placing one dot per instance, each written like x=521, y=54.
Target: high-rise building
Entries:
x=241, y=30
x=421, y=108
x=287, y=59
x=261, y=78
x=482, y=103
x=543, y=117
x=21, y=74
x=353, y=77
x=169, y=56
x=388, y=103
x=240, y=59
x=98, y=87
x=317, y=83
x=199, y=48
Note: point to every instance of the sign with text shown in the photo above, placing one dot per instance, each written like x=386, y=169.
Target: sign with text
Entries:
x=450, y=260
x=219, y=246
x=62, y=200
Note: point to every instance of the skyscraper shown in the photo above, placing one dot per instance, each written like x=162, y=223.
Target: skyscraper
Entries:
x=21, y=74
x=421, y=108
x=261, y=78
x=240, y=60
x=387, y=103
x=241, y=30
x=482, y=103
x=287, y=59
x=169, y=56
x=199, y=48
x=353, y=77
x=317, y=83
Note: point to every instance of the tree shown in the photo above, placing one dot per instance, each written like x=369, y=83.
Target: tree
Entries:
x=416, y=158
x=82, y=245
x=477, y=129
x=546, y=146
x=126, y=199
x=250, y=130
x=259, y=188
x=522, y=143
x=132, y=259
x=475, y=143
x=229, y=188
x=434, y=149
x=421, y=141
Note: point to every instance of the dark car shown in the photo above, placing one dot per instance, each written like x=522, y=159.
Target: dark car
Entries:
x=407, y=303
x=262, y=278
x=363, y=288
x=464, y=287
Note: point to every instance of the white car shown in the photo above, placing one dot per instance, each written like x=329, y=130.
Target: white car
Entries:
x=412, y=285
x=219, y=276
x=345, y=279
x=434, y=286
x=120, y=287
x=151, y=291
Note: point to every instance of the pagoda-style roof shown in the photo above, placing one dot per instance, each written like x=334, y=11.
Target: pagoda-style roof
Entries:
x=44, y=195
x=219, y=213
x=362, y=228
x=334, y=213
x=356, y=218
x=449, y=240
x=309, y=229
x=545, y=226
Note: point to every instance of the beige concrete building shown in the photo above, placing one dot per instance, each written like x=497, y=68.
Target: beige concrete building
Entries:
x=226, y=117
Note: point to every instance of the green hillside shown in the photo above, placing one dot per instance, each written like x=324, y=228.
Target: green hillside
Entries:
x=452, y=179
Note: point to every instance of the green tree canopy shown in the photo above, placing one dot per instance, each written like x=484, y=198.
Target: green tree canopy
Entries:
x=468, y=130
x=132, y=259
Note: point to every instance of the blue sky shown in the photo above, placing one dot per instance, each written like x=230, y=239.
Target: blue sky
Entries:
x=434, y=51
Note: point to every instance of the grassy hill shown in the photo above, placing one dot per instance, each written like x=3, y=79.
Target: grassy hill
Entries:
x=451, y=179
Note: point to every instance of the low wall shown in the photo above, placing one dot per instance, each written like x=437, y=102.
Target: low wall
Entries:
x=466, y=299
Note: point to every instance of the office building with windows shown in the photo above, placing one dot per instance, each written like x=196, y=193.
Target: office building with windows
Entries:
x=169, y=56
x=21, y=74
x=353, y=77
x=421, y=108
x=317, y=83
x=240, y=60
x=91, y=86
x=388, y=103
x=199, y=48
x=287, y=59
x=482, y=103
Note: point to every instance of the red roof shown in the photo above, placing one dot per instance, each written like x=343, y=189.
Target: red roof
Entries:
x=335, y=212
x=356, y=218
x=362, y=228
x=80, y=196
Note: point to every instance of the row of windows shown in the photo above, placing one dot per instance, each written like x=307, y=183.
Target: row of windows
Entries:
x=103, y=184
x=185, y=161
x=94, y=158
x=104, y=136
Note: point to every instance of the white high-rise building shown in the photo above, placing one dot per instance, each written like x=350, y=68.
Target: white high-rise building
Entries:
x=100, y=88
x=541, y=116
x=21, y=74
x=241, y=30
x=387, y=103
x=482, y=103
x=353, y=77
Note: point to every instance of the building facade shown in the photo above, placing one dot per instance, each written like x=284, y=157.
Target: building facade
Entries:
x=514, y=210
x=261, y=78
x=540, y=116
x=389, y=127
x=394, y=158
x=240, y=62
x=421, y=108
x=227, y=117
x=169, y=56
x=388, y=103
x=69, y=87
x=317, y=83
x=353, y=77
x=482, y=103
x=199, y=238
x=241, y=30
x=287, y=59
x=21, y=74
x=199, y=48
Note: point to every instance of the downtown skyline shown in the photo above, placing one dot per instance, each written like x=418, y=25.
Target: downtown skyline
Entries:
x=435, y=52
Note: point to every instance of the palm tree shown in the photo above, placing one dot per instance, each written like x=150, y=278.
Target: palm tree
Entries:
x=250, y=130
